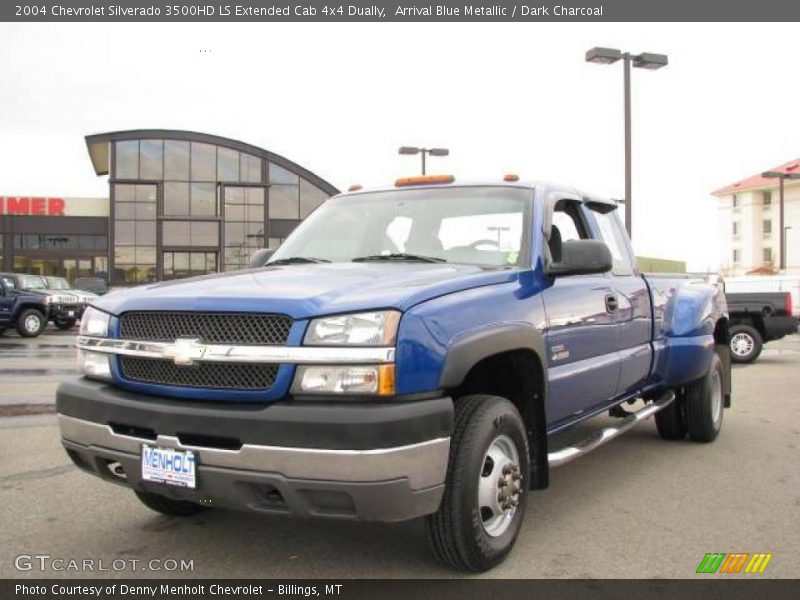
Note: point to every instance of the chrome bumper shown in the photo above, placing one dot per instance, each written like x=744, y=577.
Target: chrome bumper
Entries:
x=424, y=465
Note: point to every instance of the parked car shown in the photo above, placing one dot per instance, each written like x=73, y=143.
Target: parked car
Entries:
x=26, y=311
x=757, y=318
x=64, y=308
x=94, y=285
x=407, y=352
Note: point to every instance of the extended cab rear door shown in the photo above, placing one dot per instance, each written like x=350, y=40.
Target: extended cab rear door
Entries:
x=582, y=335
x=632, y=307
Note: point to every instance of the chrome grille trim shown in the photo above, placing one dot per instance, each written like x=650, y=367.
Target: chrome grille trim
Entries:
x=300, y=355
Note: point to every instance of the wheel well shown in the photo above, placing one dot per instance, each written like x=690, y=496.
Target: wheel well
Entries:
x=518, y=376
x=722, y=338
x=722, y=332
x=31, y=306
x=753, y=320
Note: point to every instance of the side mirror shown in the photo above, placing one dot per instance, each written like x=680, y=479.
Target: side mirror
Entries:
x=260, y=257
x=581, y=257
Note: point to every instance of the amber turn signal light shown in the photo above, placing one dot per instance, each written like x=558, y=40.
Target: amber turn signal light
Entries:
x=424, y=179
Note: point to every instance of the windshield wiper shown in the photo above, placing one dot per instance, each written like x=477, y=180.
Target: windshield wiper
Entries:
x=296, y=260
x=400, y=256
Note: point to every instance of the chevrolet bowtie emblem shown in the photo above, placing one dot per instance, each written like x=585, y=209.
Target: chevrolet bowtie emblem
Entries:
x=184, y=351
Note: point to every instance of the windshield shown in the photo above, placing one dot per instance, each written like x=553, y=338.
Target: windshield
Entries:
x=57, y=283
x=474, y=225
x=31, y=282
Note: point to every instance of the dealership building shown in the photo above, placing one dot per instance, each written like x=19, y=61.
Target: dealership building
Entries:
x=180, y=203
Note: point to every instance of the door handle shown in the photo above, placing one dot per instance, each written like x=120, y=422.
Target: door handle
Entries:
x=611, y=303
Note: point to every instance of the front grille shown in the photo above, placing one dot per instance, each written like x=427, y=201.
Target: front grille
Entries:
x=211, y=328
x=212, y=375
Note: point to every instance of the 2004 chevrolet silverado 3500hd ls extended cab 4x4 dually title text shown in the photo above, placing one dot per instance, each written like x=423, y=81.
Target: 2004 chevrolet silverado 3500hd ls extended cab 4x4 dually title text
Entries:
x=407, y=352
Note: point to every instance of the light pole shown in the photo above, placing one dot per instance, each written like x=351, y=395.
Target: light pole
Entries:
x=781, y=177
x=409, y=150
x=645, y=60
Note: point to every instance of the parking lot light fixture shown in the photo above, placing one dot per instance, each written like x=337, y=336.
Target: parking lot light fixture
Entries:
x=603, y=56
x=645, y=60
x=411, y=150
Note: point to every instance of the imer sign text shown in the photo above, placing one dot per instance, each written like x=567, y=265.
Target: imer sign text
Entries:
x=36, y=207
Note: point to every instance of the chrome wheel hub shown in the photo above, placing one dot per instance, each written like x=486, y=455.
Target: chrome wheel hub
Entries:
x=499, y=486
x=32, y=324
x=742, y=344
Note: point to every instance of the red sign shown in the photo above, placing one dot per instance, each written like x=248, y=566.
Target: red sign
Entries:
x=35, y=207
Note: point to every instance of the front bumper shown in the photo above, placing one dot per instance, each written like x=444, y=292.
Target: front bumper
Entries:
x=383, y=461
x=65, y=312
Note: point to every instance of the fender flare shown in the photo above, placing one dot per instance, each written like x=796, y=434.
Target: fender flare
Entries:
x=467, y=351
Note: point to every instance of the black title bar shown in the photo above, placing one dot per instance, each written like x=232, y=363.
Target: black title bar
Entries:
x=244, y=11
x=712, y=588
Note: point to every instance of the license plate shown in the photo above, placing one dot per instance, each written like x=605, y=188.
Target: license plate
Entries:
x=70, y=313
x=168, y=465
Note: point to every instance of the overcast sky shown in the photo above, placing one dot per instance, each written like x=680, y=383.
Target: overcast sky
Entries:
x=340, y=98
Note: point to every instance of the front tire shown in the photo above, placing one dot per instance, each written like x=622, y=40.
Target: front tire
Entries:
x=64, y=325
x=31, y=323
x=746, y=343
x=169, y=506
x=486, y=488
x=705, y=403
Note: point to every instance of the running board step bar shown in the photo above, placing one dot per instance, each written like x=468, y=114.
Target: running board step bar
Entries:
x=602, y=436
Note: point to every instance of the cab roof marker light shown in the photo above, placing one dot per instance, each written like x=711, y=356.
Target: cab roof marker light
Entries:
x=424, y=179
x=354, y=188
x=510, y=177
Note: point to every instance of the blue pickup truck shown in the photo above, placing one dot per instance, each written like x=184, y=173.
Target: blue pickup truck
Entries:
x=407, y=352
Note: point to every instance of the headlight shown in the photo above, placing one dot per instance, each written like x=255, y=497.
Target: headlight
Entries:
x=359, y=329
x=95, y=322
x=94, y=364
x=345, y=379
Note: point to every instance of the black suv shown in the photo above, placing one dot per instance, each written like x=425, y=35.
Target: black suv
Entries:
x=63, y=308
x=27, y=311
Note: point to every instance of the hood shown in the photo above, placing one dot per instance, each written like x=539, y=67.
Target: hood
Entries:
x=303, y=291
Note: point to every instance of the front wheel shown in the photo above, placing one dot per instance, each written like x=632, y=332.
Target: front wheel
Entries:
x=746, y=343
x=169, y=506
x=65, y=324
x=31, y=323
x=487, y=485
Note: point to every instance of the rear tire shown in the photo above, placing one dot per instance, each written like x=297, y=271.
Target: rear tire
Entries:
x=746, y=343
x=671, y=421
x=31, y=323
x=169, y=506
x=705, y=403
x=486, y=488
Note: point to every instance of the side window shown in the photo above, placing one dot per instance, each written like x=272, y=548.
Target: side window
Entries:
x=614, y=237
x=567, y=225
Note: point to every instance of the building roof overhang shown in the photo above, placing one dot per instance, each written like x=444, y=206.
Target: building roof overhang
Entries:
x=759, y=182
x=99, y=147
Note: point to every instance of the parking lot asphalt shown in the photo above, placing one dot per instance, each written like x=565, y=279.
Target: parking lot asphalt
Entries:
x=638, y=507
